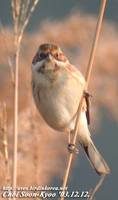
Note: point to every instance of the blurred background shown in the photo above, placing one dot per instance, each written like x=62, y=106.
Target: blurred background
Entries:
x=42, y=153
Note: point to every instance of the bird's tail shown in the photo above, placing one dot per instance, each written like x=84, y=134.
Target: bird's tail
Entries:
x=96, y=159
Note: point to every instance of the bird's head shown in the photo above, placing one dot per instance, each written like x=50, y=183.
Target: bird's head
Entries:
x=49, y=58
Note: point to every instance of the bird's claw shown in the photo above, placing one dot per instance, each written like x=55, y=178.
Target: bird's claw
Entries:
x=73, y=149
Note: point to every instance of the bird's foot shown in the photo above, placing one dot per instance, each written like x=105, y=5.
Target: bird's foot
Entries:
x=73, y=149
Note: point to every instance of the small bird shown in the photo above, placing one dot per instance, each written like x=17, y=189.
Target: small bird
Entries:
x=57, y=88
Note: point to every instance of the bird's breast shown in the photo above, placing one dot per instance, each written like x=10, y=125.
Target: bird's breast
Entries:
x=58, y=104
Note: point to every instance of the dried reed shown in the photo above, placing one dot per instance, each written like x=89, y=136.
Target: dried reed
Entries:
x=22, y=11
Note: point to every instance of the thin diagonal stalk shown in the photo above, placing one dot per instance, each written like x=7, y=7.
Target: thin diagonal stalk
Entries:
x=98, y=185
x=87, y=78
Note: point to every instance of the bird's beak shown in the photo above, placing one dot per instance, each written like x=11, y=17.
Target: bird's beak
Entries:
x=49, y=57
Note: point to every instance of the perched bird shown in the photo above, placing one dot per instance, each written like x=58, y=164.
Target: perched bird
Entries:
x=57, y=88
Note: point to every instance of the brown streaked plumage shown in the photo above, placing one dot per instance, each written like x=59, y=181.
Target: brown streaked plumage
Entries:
x=57, y=90
x=52, y=49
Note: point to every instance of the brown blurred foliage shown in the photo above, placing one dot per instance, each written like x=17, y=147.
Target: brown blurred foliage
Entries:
x=42, y=151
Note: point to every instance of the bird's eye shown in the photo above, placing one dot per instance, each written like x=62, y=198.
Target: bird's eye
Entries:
x=42, y=55
x=56, y=55
x=60, y=56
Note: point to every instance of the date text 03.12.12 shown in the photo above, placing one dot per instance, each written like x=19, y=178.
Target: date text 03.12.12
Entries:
x=74, y=194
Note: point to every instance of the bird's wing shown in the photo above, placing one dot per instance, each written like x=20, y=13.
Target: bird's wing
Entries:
x=77, y=74
x=87, y=102
x=73, y=71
